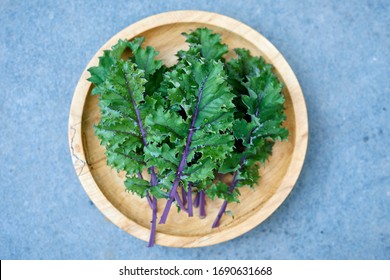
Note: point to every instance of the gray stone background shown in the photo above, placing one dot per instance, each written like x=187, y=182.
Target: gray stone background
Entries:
x=340, y=207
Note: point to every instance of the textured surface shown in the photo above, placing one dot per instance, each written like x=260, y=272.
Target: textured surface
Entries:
x=340, y=208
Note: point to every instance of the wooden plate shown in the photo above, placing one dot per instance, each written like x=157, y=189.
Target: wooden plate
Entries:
x=105, y=187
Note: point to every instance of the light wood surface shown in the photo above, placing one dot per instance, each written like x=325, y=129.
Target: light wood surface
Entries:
x=105, y=187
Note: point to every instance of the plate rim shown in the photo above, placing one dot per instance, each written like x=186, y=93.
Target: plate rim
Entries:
x=270, y=206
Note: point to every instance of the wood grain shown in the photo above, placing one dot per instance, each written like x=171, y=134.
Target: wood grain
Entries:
x=105, y=187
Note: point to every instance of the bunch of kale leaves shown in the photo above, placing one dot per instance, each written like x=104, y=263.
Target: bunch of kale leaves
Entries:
x=189, y=124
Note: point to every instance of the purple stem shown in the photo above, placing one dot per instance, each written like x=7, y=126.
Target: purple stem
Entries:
x=224, y=204
x=189, y=199
x=183, y=161
x=184, y=196
x=141, y=127
x=231, y=189
x=150, y=200
x=196, y=200
x=235, y=180
x=153, y=178
x=202, y=204
x=153, y=204
x=154, y=219
x=180, y=202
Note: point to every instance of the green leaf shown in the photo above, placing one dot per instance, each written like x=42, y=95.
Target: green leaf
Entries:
x=119, y=128
x=136, y=43
x=202, y=41
x=199, y=86
x=137, y=186
x=118, y=49
x=265, y=97
x=163, y=124
x=114, y=137
x=200, y=171
x=271, y=129
x=162, y=158
x=239, y=70
x=242, y=129
x=145, y=60
x=109, y=57
x=158, y=191
x=248, y=176
x=154, y=82
x=259, y=152
x=258, y=122
x=221, y=190
x=230, y=163
x=246, y=65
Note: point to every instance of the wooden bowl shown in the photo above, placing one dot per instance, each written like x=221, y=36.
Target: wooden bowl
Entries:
x=105, y=187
